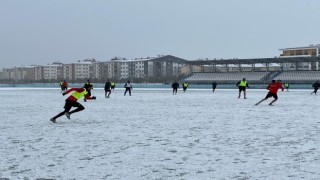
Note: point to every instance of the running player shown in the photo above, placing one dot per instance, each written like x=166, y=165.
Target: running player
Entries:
x=273, y=89
x=175, y=86
x=72, y=101
x=107, y=89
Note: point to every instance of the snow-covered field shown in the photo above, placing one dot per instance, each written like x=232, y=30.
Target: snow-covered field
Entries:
x=156, y=135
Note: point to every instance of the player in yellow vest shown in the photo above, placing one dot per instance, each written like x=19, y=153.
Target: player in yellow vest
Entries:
x=286, y=85
x=113, y=85
x=242, y=85
x=71, y=101
x=185, y=86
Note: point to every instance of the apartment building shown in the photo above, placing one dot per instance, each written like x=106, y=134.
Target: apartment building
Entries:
x=7, y=74
x=67, y=71
x=48, y=72
x=117, y=69
x=81, y=70
x=151, y=67
x=19, y=73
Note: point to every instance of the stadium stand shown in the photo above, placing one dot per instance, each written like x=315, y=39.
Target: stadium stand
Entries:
x=299, y=76
x=230, y=77
x=256, y=77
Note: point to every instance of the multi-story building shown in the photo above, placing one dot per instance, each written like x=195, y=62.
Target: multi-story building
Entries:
x=150, y=68
x=51, y=72
x=156, y=68
x=81, y=70
x=24, y=73
x=67, y=72
x=96, y=71
x=312, y=50
x=19, y=73
x=110, y=70
x=8, y=74
x=167, y=67
x=307, y=51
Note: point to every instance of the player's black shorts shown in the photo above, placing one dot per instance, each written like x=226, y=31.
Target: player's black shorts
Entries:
x=271, y=95
x=242, y=88
x=69, y=104
x=89, y=93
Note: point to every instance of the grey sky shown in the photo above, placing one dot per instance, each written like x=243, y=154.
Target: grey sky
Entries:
x=43, y=31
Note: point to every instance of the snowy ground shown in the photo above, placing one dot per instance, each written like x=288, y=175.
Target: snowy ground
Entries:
x=156, y=135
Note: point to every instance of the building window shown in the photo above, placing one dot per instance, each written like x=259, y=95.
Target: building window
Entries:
x=291, y=53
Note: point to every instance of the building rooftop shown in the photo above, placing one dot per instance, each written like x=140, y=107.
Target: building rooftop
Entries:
x=305, y=47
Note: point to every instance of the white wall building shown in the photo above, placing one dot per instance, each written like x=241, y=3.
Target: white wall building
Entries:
x=50, y=72
x=82, y=70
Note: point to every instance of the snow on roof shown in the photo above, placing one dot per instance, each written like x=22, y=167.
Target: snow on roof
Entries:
x=83, y=62
x=270, y=65
x=51, y=65
x=274, y=65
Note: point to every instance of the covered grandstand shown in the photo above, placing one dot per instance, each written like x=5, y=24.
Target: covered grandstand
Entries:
x=230, y=77
x=299, y=76
x=289, y=69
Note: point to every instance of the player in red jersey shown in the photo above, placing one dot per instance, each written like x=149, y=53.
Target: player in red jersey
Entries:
x=71, y=101
x=273, y=89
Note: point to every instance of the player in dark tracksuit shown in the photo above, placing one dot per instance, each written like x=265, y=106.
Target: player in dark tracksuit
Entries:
x=175, y=87
x=107, y=89
x=214, y=86
x=88, y=96
x=315, y=86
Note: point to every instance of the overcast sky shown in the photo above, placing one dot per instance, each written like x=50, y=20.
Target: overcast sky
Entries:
x=43, y=31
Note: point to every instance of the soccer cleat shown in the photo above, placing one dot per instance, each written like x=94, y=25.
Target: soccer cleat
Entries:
x=53, y=120
x=67, y=114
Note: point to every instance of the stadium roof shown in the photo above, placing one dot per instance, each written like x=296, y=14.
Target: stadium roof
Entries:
x=305, y=47
x=258, y=60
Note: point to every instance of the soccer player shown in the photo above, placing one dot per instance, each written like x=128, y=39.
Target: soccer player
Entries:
x=242, y=87
x=273, y=88
x=185, y=86
x=113, y=85
x=175, y=86
x=128, y=88
x=88, y=95
x=286, y=85
x=214, y=86
x=315, y=86
x=72, y=101
x=107, y=89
